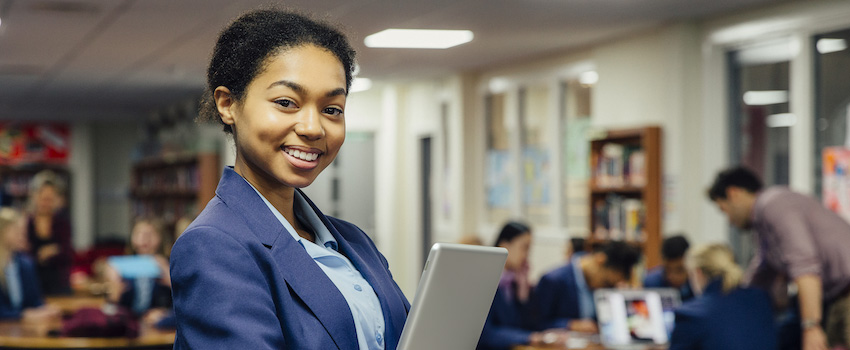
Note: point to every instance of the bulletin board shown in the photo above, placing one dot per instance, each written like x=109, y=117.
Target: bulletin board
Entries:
x=836, y=181
x=34, y=143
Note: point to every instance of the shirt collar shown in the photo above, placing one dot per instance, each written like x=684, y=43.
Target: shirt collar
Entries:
x=303, y=210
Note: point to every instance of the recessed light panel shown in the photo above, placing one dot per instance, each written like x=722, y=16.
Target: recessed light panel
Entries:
x=418, y=38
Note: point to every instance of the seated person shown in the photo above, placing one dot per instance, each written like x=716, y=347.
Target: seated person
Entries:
x=672, y=272
x=564, y=296
x=20, y=291
x=723, y=315
x=575, y=247
x=509, y=324
x=149, y=298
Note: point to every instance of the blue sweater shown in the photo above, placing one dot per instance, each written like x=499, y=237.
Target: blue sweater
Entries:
x=741, y=319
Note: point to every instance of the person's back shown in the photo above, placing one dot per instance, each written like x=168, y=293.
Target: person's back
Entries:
x=741, y=319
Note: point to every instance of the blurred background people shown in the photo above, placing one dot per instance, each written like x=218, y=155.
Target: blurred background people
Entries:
x=575, y=247
x=798, y=240
x=49, y=233
x=509, y=322
x=724, y=315
x=147, y=296
x=672, y=272
x=564, y=296
x=20, y=291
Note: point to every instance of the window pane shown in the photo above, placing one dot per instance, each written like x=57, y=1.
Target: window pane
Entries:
x=832, y=91
x=499, y=190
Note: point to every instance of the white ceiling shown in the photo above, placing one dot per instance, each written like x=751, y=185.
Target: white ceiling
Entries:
x=73, y=59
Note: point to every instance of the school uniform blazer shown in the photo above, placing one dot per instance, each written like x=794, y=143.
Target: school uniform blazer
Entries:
x=30, y=289
x=240, y=281
x=507, y=323
x=655, y=279
x=556, y=300
x=739, y=320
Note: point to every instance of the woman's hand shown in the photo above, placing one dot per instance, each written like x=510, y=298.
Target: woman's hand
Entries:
x=41, y=314
x=549, y=337
x=814, y=339
x=47, y=252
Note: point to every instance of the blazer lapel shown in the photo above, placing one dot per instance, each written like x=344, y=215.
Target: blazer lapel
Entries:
x=395, y=313
x=304, y=277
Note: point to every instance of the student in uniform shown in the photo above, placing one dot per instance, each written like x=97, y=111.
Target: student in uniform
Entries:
x=724, y=315
x=20, y=291
x=510, y=322
x=148, y=298
x=262, y=267
x=672, y=272
x=564, y=296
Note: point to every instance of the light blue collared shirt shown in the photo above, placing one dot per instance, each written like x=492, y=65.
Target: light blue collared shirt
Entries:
x=586, y=309
x=361, y=298
x=13, y=284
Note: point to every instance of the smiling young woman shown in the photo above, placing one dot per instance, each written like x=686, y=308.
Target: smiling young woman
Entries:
x=262, y=267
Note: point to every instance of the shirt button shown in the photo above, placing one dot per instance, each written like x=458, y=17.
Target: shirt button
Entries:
x=358, y=288
x=379, y=337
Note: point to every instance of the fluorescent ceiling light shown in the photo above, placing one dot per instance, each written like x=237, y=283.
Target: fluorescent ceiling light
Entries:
x=418, y=38
x=588, y=78
x=781, y=120
x=831, y=45
x=766, y=97
x=360, y=84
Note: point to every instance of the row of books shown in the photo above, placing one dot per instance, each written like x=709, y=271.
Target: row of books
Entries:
x=184, y=178
x=619, y=165
x=619, y=218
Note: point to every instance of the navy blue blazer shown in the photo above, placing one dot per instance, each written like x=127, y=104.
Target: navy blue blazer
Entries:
x=160, y=296
x=655, y=279
x=508, y=323
x=741, y=319
x=30, y=288
x=555, y=301
x=240, y=281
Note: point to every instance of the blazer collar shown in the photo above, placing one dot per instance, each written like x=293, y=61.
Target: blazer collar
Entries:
x=304, y=277
x=394, y=315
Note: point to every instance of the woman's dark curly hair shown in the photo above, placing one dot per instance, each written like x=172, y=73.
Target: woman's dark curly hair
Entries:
x=244, y=47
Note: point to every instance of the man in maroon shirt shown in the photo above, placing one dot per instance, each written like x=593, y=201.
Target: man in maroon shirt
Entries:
x=797, y=239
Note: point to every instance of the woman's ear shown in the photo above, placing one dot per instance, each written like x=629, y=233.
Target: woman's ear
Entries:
x=225, y=103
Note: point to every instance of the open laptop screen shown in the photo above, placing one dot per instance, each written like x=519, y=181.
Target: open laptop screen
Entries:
x=635, y=316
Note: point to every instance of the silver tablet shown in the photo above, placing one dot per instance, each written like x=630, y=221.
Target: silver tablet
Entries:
x=453, y=297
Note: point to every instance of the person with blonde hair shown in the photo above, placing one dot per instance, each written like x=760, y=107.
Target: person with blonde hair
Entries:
x=20, y=293
x=724, y=315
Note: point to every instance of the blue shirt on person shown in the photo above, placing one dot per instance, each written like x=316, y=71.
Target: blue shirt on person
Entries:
x=362, y=300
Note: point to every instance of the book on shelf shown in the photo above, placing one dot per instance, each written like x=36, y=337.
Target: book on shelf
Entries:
x=619, y=165
x=619, y=218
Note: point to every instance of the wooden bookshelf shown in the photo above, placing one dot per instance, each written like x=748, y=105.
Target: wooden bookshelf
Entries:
x=173, y=187
x=625, y=189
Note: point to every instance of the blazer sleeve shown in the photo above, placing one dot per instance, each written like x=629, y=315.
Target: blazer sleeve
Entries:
x=221, y=298
x=498, y=335
x=551, y=305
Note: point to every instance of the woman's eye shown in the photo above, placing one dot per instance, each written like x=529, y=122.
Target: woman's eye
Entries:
x=285, y=103
x=333, y=111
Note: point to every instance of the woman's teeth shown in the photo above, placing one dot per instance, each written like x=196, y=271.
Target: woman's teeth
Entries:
x=306, y=156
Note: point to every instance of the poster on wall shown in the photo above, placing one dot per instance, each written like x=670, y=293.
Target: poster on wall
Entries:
x=836, y=181
x=499, y=187
x=34, y=143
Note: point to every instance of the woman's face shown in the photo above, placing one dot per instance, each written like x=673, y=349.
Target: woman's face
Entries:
x=289, y=125
x=517, y=251
x=145, y=239
x=46, y=200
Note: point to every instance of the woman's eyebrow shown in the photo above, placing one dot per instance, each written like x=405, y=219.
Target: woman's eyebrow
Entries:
x=301, y=89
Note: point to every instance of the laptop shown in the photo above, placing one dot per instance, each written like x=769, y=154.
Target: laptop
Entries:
x=453, y=298
x=635, y=319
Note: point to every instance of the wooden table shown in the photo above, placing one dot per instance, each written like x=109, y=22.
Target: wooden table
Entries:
x=38, y=335
x=28, y=335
